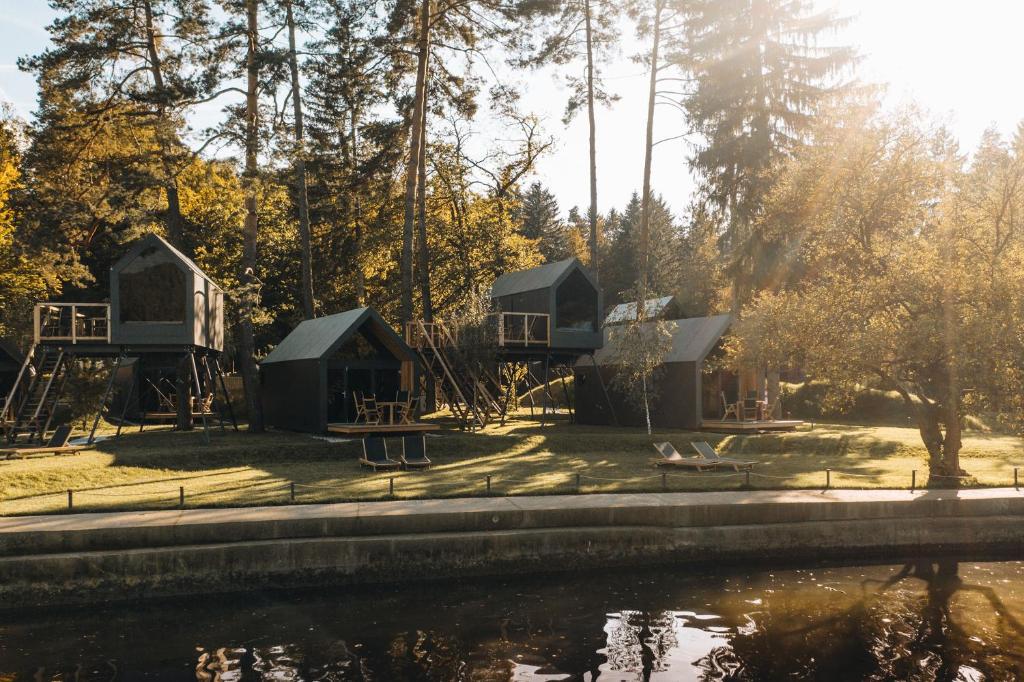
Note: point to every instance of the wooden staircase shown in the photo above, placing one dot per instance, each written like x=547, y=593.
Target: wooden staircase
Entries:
x=32, y=402
x=470, y=392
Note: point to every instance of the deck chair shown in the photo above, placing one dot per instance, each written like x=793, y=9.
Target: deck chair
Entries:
x=709, y=454
x=414, y=452
x=729, y=408
x=751, y=407
x=57, y=445
x=375, y=454
x=371, y=413
x=671, y=457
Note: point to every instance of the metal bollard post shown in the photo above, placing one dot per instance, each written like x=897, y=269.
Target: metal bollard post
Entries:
x=181, y=496
x=488, y=484
x=293, y=490
x=828, y=479
x=71, y=499
x=577, y=482
x=391, y=487
x=664, y=481
x=746, y=480
x=913, y=480
x=1016, y=485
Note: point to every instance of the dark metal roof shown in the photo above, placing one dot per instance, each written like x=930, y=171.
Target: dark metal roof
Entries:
x=158, y=241
x=320, y=337
x=624, y=312
x=540, y=277
x=692, y=339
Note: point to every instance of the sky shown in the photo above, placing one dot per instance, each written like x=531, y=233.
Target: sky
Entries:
x=958, y=60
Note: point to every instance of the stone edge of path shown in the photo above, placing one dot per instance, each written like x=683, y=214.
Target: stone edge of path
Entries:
x=93, y=557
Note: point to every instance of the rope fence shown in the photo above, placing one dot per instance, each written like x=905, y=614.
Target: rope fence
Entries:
x=391, y=487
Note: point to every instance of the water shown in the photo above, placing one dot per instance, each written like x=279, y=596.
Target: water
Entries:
x=924, y=620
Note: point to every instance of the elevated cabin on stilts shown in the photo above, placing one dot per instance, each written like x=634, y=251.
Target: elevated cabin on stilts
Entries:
x=311, y=379
x=545, y=319
x=164, y=312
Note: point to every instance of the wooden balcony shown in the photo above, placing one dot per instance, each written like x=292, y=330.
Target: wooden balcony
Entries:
x=72, y=323
x=523, y=330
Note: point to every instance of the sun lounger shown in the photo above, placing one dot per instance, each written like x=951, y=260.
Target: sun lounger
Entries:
x=414, y=452
x=671, y=457
x=709, y=454
x=375, y=454
x=57, y=445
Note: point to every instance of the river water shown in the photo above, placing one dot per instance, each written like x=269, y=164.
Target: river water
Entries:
x=923, y=620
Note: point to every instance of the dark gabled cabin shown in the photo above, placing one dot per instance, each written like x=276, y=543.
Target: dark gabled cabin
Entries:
x=158, y=296
x=559, y=303
x=308, y=381
x=683, y=383
x=664, y=308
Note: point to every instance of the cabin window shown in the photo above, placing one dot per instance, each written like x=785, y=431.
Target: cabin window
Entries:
x=576, y=303
x=152, y=289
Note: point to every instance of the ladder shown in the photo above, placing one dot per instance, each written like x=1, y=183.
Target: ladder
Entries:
x=469, y=392
x=32, y=402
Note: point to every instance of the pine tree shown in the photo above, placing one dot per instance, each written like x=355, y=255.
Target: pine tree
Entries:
x=759, y=77
x=540, y=220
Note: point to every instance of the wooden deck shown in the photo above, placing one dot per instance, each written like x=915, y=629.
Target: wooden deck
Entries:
x=750, y=426
x=392, y=429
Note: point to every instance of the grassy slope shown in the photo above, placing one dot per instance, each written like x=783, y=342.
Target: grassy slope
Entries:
x=145, y=470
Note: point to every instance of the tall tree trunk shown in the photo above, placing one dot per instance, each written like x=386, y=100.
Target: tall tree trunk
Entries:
x=412, y=164
x=300, y=172
x=250, y=373
x=172, y=221
x=951, y=442
x=645, y=202
x=594, y=262
x=358, y=212
x=426, y=300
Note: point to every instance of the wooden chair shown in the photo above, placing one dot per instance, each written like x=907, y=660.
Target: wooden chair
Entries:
x=370, y=411
x=375, y=454
x=357, y=398
x=405, y=408
x=751, y=409
x=729, y=408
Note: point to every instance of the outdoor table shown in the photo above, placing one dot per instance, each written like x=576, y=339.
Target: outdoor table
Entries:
x=390, y=406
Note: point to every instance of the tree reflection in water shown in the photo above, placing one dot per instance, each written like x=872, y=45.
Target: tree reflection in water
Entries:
x=923, y=620
x=951, y=630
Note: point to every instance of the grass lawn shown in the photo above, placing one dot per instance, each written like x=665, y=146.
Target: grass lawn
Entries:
x=144, y=471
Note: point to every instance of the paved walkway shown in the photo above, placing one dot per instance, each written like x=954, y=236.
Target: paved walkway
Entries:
x=409, y=509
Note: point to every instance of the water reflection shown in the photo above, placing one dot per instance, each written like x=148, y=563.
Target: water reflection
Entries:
x=924, y=620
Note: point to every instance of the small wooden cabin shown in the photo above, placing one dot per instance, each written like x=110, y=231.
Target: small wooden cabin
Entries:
x=158, y=296
x=565, y=297
x=308, y=381
x=682, y=383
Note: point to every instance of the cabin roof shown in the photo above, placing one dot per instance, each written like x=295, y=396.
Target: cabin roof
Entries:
x=624, y=312
x=152, y=239
x=320, y=337
x=692, y=339
x=540, y=277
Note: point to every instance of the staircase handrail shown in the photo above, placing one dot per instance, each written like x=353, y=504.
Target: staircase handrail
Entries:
x=448, y=373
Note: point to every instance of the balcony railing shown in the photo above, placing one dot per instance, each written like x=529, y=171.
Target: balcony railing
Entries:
x=72, y=322
x=523, y=329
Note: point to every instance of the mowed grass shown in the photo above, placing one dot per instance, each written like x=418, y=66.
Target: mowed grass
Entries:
x=145, y=471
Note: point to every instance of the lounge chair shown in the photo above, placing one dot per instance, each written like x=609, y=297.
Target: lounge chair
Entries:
x=375, y=454
x=57, y=445
x=671, y=457
x=709, y=454
x=414, y=452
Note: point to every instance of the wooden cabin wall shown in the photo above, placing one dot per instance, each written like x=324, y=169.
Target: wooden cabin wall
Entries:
x=294, y=396
x=677, y=404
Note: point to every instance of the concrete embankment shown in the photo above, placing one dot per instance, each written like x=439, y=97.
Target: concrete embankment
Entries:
x=91, y=557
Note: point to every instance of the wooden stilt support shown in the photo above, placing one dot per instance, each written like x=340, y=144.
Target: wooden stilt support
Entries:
x=137, y=370
x=549, y=402
x=106, y=397
x=211, y=387
x=568, y=400
x=199, y=395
